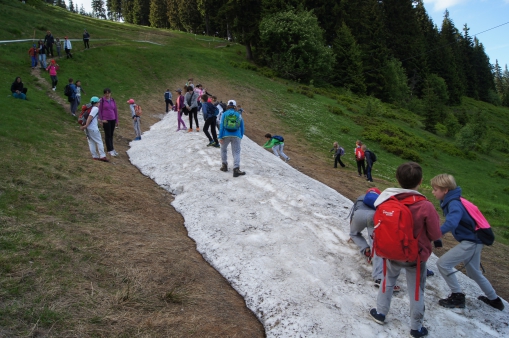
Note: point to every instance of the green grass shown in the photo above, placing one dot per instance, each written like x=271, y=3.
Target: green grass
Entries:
x=41, y=175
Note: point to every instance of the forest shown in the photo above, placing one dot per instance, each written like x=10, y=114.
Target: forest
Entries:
x=389, y=49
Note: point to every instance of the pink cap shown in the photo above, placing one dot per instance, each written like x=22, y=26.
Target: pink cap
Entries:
x=131, y=101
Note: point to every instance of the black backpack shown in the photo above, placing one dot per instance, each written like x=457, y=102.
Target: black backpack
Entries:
x=67, y=90
x=373, y=156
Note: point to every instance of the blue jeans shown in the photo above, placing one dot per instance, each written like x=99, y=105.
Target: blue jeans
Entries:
x=368, y=173
x=19, y=96
x=42, y=59
x=34, y=61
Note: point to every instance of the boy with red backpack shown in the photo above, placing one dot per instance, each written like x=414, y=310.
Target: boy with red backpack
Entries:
x=405, y=224
x=462, y=224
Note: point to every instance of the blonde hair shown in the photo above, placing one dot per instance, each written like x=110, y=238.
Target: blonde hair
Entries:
x=363, y=146
x=335, y=145
x=444, y=181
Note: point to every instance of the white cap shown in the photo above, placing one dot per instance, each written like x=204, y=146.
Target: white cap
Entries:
x=232, y=103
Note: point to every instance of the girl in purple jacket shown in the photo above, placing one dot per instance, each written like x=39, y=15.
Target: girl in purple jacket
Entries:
x=108, y=115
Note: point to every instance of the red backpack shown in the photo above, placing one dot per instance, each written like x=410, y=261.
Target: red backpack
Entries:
x=85, y=111
x=393, y=237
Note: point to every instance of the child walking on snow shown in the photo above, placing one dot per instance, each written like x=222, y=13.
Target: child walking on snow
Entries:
x=462, y=226
x=277, y=144
x=136, y=120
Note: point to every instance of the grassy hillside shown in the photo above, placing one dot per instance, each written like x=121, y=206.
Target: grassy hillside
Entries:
x=45, y=175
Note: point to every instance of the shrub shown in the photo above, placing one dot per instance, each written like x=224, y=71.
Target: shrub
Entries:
x=344, y=129
x=248, y=66
x=336, y=110
x=289, y=90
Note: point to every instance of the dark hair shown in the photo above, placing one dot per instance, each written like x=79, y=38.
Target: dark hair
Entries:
x=214, y=98
x=106, y=90
x=205, y=97
x=409, y=175
x=190, y=89
x=16, y=79
x=268, y=135
x=70, y=80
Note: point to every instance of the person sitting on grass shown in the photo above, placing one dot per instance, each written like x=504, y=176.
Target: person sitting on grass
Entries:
x=91, y=128
x=468, y=251
x=17, y=89
x=277, y=143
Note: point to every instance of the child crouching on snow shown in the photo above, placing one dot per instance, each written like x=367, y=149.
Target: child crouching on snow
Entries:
x=277, y=144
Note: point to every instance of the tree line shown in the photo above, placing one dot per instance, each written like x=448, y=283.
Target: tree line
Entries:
x=390, y=49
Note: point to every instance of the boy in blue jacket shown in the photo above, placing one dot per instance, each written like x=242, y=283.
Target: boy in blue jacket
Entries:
x=468, y=252
x=209, y=116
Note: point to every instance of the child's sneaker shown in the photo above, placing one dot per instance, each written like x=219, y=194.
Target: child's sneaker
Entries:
x=211, y=143
x=496, y=303
x=287, y=159
x=113, y=153
x=377, y=282
x=377, y=317
x=423, y=332
x=197, y=129
x=190, y=130
x=455, y=300
x=104, y=159
x=216, y=145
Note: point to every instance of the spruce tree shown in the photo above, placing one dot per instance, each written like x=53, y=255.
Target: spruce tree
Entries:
x=499, y=79
x=71, y=6
x=484, y=72
x=173, y=14
x=158, y=12
x=348, y=69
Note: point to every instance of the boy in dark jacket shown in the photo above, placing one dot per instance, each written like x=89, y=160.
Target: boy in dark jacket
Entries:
x=369, y=156
x=468, y=252
x=208, y=110
x=426, y=229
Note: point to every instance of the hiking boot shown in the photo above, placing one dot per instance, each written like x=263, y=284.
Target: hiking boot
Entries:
x=211, y=143
x=104, y=159
x=423, y=332
x=496, y=303
x=377, y=317
x=216, y=145
x=455, y=300
x=237, y=172
x=190, y=130
x=224, y=167
x=287, y=159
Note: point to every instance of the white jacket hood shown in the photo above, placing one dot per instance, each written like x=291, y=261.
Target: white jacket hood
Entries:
x=389, y=192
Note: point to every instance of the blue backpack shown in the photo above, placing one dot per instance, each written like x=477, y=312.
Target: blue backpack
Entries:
x=279, y=138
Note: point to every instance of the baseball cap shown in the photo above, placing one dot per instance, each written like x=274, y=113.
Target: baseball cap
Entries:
x=94, y=99
x=130, y=101
x=179, y=90
x=232, y=103
x=374, y=189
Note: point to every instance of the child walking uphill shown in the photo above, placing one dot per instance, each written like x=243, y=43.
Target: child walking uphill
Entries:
x=95, y=141
x=168, y=99
x=209, y=115
x=136, y=119
x=52, y=69
x=338, y=152
x=359, y=157
x=179, y=104
x=231, y=132
x=277, y=143
x=468, y=252
x=425, y=228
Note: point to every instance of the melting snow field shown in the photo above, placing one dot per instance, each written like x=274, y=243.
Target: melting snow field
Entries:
x=280, y=239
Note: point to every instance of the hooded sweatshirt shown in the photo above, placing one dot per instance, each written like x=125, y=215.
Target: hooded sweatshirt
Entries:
x=426, y=219
x=457, y=219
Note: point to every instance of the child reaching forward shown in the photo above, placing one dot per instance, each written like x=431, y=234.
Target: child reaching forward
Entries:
x=52, y=69
x=136, y=120
x=277, y=144
x=468, y=251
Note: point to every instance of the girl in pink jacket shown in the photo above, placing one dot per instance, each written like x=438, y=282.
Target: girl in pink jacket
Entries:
x=52, y=69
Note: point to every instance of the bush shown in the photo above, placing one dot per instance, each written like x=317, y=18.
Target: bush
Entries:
x=344, y=130
x=289, y=90
x=336, y=111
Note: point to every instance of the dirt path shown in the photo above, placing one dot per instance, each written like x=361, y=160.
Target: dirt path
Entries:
x=144, y=241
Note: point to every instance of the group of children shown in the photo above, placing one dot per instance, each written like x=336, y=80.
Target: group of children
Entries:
x=363, y=157
x=426, y=229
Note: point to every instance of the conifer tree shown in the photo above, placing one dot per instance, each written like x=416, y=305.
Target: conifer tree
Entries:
x=505, y=86
x=404, y=38
x=71, y=6
x=483, y=70
x=98, y=10
x=499, y=79
x=189, y=16
x=173, y=14
x=158, y=12
x=466, y=56
x=82, y=10
x=61, y=3
x=348, y=69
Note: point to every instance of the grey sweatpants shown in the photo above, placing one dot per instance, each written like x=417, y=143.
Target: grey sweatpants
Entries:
x=235, y=142
x=361, y=220
x=470, y=254
x=278, y=151
x=136, y=126
x=383, y=301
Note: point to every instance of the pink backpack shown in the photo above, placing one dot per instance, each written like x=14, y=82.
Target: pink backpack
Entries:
x=482, y=227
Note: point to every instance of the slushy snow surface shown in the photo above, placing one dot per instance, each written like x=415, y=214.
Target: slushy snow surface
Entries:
x=281, y=239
